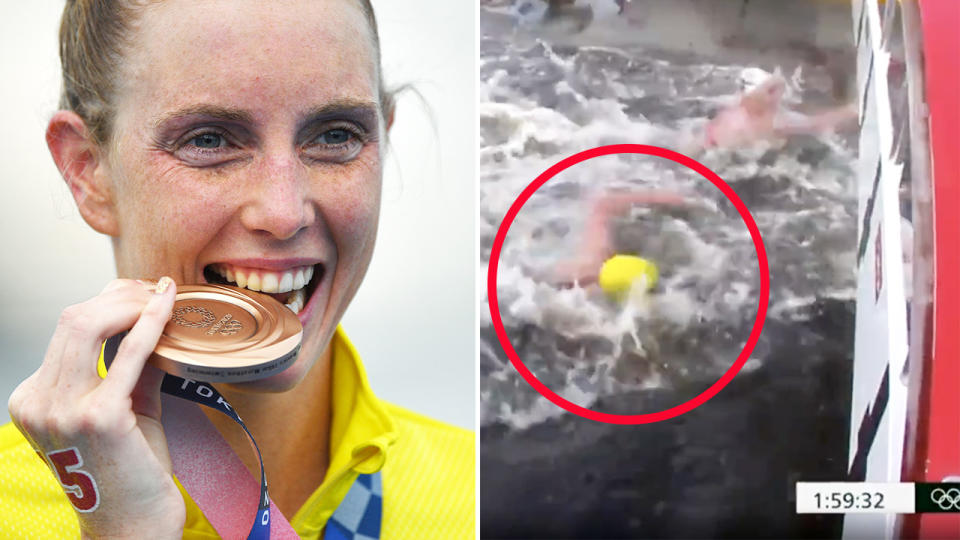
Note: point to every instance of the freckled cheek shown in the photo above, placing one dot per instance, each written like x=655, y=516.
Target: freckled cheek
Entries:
x=351, y=208
x=199, y=217
x=182, y=211
x=353, y=218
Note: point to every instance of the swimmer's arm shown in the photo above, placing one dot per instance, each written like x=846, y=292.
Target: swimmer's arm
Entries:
x=611, y=205
x=597, y=245
x=794, y=123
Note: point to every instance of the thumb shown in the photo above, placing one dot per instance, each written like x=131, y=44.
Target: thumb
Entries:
x=146, y=406
x=146, y=394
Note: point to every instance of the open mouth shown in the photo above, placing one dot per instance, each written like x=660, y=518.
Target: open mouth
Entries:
x=291, y=287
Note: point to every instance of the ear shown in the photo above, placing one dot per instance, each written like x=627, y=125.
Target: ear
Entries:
x=81, y=164
x=390, y=116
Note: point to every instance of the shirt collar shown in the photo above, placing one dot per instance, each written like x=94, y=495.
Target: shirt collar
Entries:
x=361, y=430
x=361, y=433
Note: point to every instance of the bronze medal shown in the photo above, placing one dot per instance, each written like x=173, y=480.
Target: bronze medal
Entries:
x=219, y=333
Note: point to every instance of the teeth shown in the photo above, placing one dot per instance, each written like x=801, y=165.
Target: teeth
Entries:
x=286, y=282
x=298, y=281
x=269, y=283
x=294, y=280
x=297, y=300
x=253, y=281
x=241, y=279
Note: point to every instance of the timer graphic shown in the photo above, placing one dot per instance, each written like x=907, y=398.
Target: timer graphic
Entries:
x=876, y=498
x=849, y=500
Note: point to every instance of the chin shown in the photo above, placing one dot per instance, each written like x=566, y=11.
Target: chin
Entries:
x=312, y=356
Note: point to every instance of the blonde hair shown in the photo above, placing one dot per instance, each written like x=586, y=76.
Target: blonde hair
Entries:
x=93, y=34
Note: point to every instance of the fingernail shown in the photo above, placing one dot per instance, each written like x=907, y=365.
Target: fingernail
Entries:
x=162, y=285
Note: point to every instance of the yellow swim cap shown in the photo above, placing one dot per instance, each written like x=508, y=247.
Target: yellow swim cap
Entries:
x=618, y=274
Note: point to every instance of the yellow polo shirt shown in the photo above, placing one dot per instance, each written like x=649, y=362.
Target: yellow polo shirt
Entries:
x=427, y=469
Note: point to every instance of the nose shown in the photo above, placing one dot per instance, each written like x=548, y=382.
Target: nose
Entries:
x=279, y=198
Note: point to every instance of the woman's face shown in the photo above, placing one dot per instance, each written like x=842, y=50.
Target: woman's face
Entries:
x=247, y=148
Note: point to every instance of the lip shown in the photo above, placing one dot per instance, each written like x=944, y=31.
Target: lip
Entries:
x=270, y=264
x=307, y=310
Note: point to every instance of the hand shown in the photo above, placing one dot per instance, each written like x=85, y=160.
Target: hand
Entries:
x=103, y=437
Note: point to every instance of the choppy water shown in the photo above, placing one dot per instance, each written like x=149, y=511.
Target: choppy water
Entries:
x=542, y=101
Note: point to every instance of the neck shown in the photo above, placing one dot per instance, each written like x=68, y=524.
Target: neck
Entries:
x=284, y=424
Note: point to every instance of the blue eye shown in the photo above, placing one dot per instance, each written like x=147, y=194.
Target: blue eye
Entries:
x=207, y=146
x=335, y=136
x=207, y=140
x=335, y=144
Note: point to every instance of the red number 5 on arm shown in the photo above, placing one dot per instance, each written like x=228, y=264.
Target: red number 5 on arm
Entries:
x=80, y=487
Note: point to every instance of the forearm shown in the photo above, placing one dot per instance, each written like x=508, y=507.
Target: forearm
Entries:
x=799, y=124
x=612, y=204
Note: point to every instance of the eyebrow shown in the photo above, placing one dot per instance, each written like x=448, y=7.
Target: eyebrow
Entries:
x=360, y=110
x=365, y=110
x=211, y=111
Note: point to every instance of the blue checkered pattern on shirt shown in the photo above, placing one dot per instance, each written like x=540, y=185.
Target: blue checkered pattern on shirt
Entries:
x=359, y=514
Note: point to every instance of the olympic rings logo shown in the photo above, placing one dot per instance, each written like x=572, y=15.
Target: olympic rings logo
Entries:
x=946, y=498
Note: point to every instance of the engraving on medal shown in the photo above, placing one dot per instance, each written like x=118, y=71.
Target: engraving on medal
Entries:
x=218, y=333
x=187, y=316
x=231, y=327
x=227, y=326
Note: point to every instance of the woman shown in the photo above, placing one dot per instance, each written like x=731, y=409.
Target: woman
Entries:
x=220, y=139
x=761, y=115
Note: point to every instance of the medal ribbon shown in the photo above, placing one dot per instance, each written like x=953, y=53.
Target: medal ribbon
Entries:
x=209, y=469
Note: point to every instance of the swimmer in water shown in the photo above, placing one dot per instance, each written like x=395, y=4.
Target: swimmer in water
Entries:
x=625, y=278
x=761, y=115
x=597, y=260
